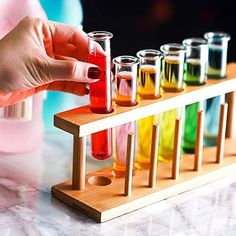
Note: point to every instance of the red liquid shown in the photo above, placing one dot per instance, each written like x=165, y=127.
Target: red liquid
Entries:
x=101, y=102
x=101, y=144
x=101, y=91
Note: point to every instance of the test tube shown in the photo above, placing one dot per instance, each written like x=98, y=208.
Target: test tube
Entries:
x=217, y=55
x=173, y=67
x=149, y=73
x=167, y=131
x=125, y=95
x=145, y=141
x=196, y=61
x=126, y=80
x=172, y=81
x=195, y=74
x=120, y=148
x=217, y=62
x=101, y=90
x=148, y=88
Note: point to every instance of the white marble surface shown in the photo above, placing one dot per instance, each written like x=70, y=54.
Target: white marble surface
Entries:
x=27, y=208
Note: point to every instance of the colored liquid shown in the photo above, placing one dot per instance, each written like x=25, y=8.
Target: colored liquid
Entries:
x=121, y=137
x=212, y=118
x=190, y=127
x=172, y=74
x=145, y=141
x=126, y=89
x=101, y=91
x=101, y=102
x=167, y=131
x=217, y=59
x=101, y=144
x=195, y=72
x=149, y=82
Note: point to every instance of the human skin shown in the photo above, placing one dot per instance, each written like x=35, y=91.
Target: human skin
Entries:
x=42, y=55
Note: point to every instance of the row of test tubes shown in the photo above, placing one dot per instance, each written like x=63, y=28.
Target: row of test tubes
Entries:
x=146, y=76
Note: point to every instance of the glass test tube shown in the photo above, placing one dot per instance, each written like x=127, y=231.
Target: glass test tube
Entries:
x=145, y=141
x=167, y=131
x=195, y=74
x=101, y=90
x=217, y=55
x=126, y=80
x=172, y=81
x=217, y=62
x=120, y=148
x=149, y=88
x=125, y=95
x=173, y=67
x=149, y=73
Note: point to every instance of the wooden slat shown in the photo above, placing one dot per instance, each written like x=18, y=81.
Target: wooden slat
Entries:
x=129, y=165
x=199, y=141
x=230, y=127
x=81, y=122
x=79, y=161
x=176, y=151
x=154, y=155
x=107, y=202
x=221, y=133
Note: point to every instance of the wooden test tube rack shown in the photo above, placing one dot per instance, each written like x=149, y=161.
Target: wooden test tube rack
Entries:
x=104, y=197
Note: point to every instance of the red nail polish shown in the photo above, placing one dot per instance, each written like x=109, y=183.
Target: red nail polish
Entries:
x=94, y=73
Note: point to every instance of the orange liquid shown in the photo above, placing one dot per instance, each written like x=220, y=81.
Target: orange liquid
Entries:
x=126, y=89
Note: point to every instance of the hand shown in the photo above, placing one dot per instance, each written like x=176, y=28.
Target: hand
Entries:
x=38, y=54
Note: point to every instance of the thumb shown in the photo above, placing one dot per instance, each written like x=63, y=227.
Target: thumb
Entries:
x=74, y=71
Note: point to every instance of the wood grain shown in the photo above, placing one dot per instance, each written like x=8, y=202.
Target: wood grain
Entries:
x=129, y=165
x=79, y=162
x=221, y=133
x=230, y=127
x=199, y=141
x=154, y=155
x=103, y=203
x=176, y=151
x=81, y=121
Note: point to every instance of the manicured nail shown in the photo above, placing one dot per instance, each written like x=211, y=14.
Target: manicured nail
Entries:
x=94, y=73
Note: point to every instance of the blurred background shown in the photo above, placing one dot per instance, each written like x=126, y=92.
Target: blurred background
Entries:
x=150, y=23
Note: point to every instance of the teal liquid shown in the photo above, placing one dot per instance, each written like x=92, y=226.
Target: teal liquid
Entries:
x=212, y=120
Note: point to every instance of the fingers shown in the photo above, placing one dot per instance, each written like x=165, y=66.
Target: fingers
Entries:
x=76, y=88
x=71, y=70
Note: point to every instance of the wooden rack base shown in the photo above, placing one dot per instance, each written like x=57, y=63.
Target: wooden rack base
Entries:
x=106, y=202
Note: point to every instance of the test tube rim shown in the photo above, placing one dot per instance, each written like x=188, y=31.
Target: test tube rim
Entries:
x=94, y=35
x=165, y=48
x=187, y=42
x=117, y=61
x=154, y=51
x=217, y=36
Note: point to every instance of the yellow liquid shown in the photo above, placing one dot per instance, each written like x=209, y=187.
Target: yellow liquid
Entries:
x=149, y=82
x=172, y=74
x=145, y=141
x=167, y=131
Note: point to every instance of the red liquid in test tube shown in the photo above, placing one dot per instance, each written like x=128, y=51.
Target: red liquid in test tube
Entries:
x=101, y=91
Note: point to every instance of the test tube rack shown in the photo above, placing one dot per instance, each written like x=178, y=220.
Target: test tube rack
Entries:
x=103, y=197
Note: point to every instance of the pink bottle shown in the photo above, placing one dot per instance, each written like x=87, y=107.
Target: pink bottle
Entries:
x=21, y=125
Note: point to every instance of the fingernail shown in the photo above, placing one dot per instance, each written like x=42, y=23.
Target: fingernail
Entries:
x=94, y=73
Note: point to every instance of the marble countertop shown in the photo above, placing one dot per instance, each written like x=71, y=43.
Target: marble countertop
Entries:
x=27, y=208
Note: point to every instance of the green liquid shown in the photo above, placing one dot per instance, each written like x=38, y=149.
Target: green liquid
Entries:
x=190, y=127
x=195, y=72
